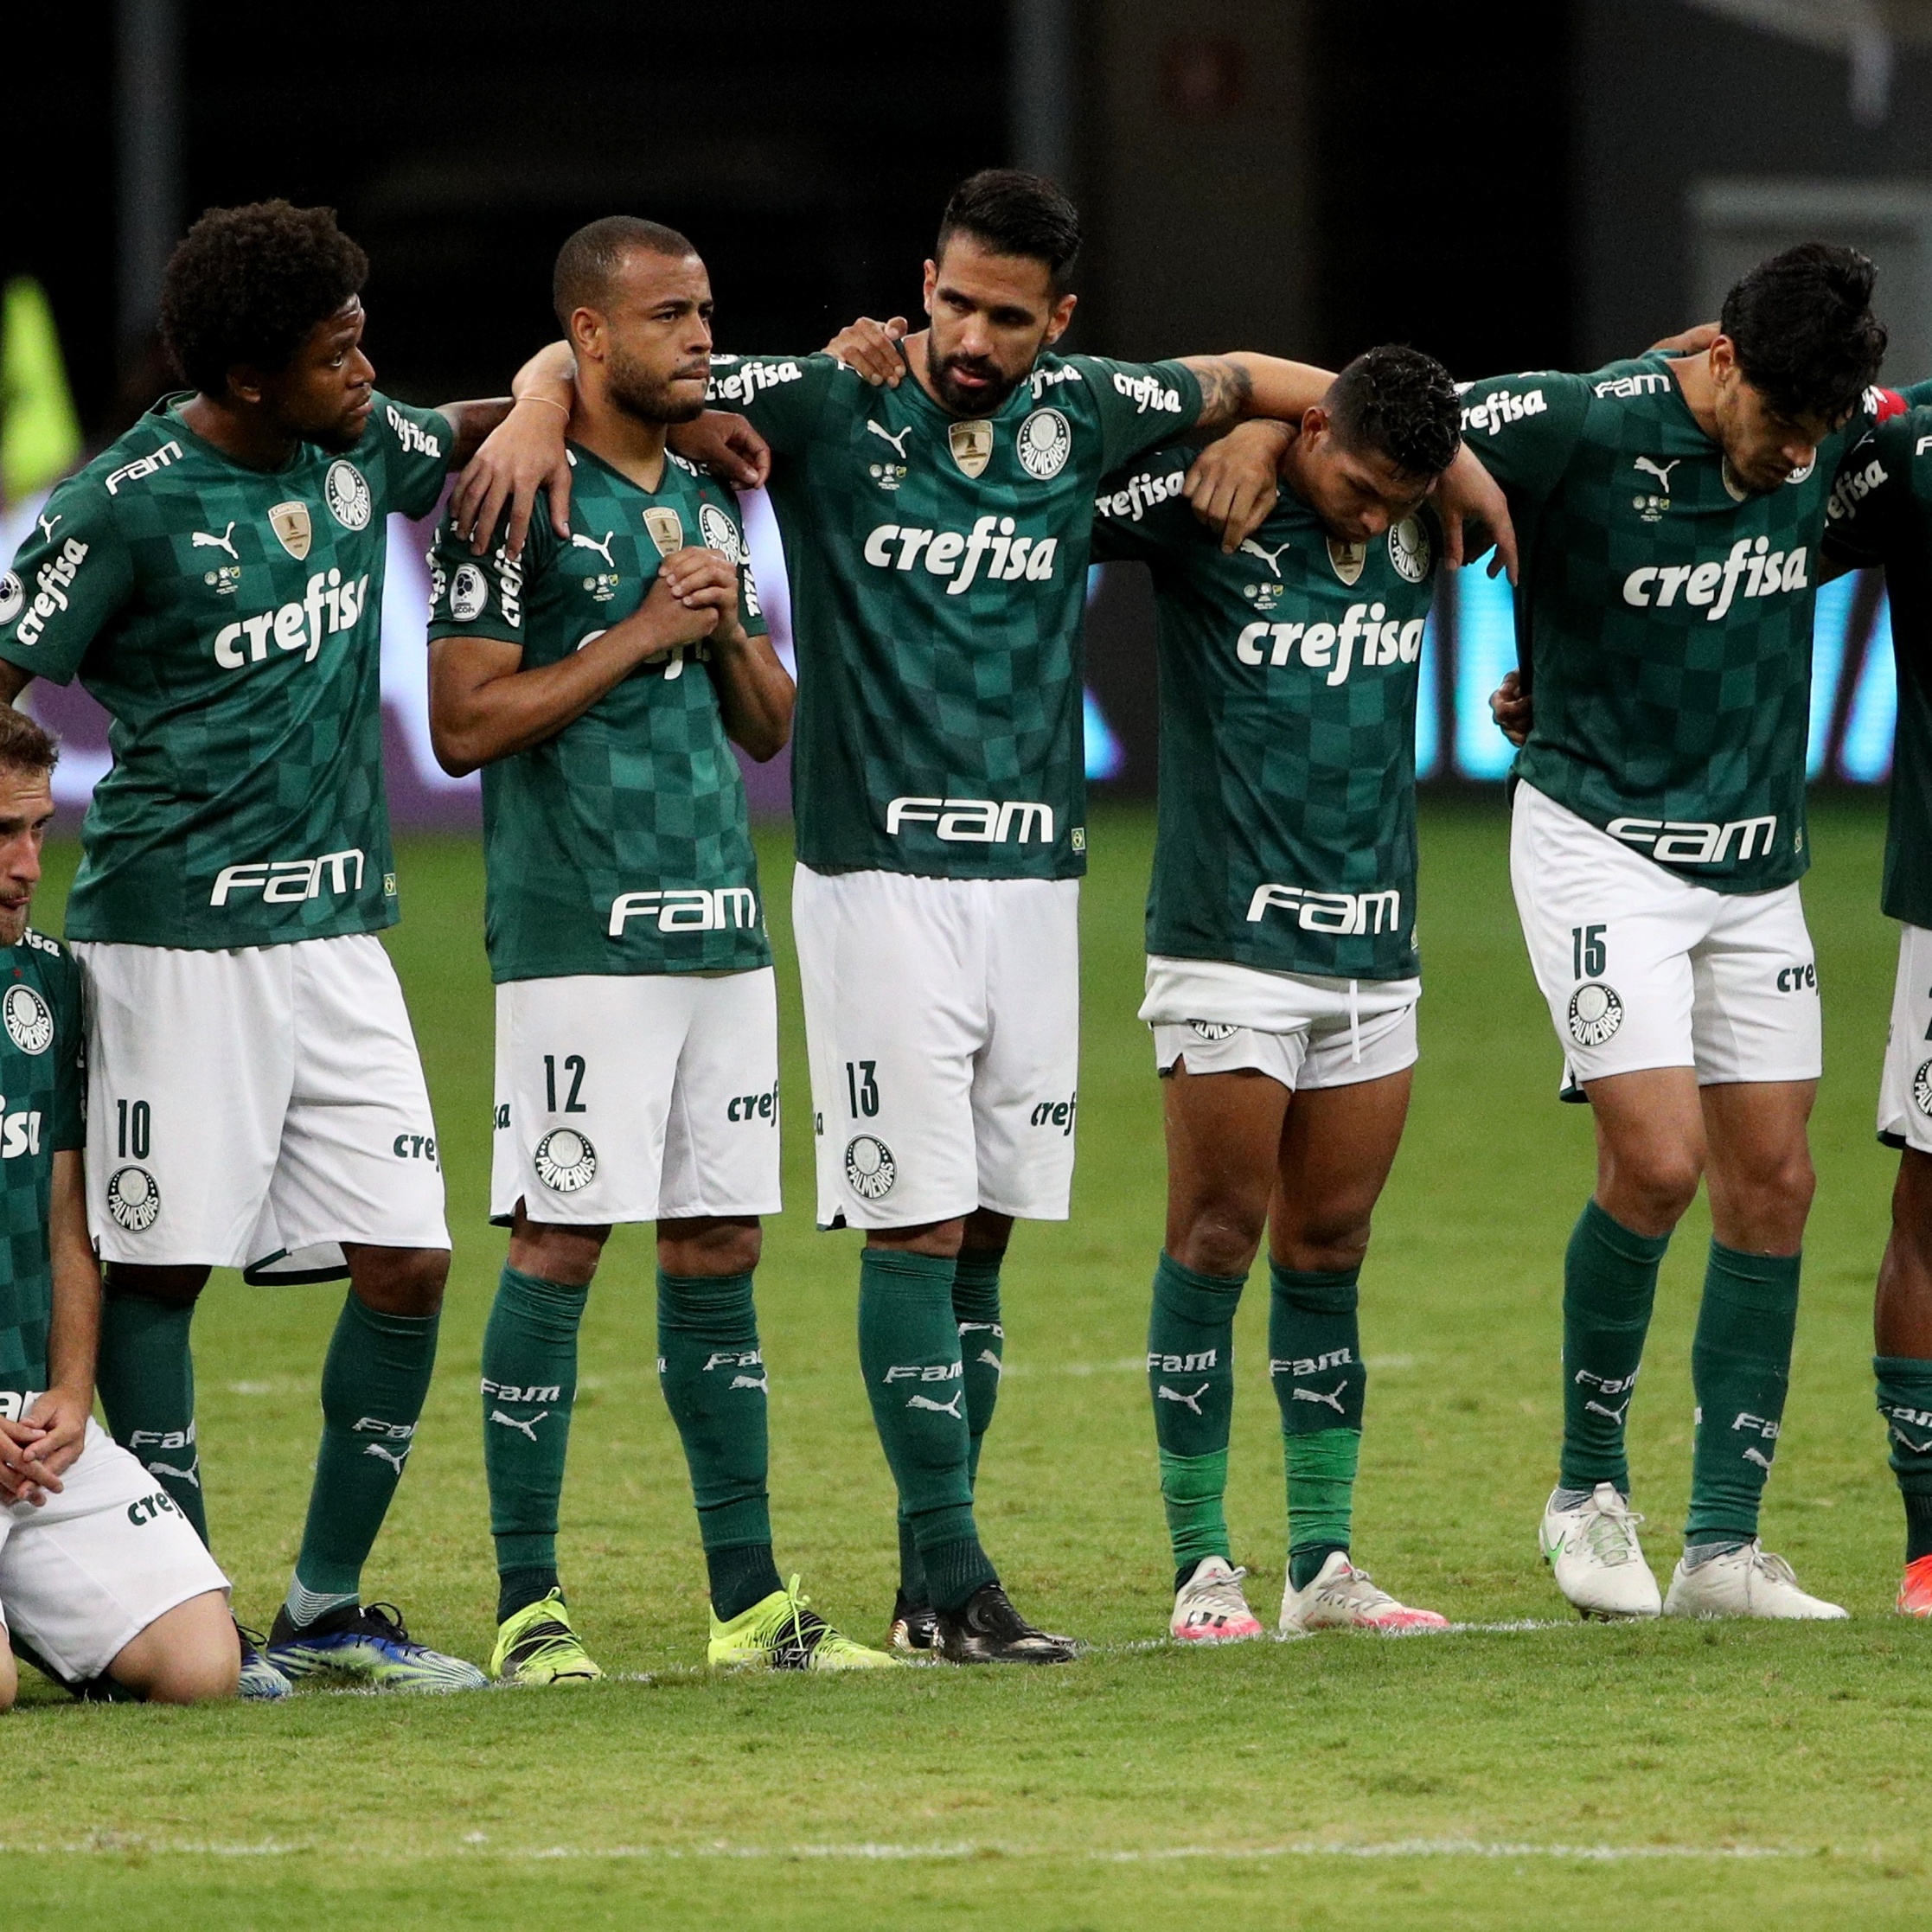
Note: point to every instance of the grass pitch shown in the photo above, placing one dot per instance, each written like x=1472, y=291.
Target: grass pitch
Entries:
x=1525, y=1770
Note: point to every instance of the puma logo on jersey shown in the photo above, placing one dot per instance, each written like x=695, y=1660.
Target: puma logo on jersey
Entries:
x=47, y=523
x=601, y=545
x=1712, y=585
x=330, y=604
x=1271, y=557
x=202, y=540
x=952, y=554
x=897, y=442
x=974, y=821
x=1661, y=470
x=1342, y=914
x=1688, y=842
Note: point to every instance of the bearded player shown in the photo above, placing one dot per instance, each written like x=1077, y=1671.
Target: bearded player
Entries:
x=1281, y=976
x=214, y=579
x=1672, y=509
x=597, y=681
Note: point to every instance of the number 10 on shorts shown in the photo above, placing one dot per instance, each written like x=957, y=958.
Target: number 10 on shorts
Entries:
x=1589, y=956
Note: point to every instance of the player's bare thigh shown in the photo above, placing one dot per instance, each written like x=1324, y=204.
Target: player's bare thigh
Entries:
x=1337, y=1147
x=1658, y=1133
x=1902, y=1316
x=188, y=1655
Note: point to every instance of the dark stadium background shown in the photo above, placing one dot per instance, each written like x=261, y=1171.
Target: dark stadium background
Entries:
x=1506, y=185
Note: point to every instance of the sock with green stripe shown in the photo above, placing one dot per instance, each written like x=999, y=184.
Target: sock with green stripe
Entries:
x=1610, y=1284
x=374, y=1382
x=712, y=1371
x=1190, y=1376
x=1315, y=1364
x=146, y=1380
x=909, y=1353
x=1740, y=1366
x=1905, y=1402
x=529, y=1391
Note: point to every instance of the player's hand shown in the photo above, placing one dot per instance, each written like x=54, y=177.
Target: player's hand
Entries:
x=518, y=458
x=871, y=349
x=1692, y=341
x=1467, y=493
x=18, y=1441
x=1510, y=706
x=726, y=445
x=682, y=604
x=1234, y=481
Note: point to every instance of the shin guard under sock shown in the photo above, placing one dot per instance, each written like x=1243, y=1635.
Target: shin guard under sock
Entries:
x=1610, y=1284
x=146, y=1380
x=1314, y=1365
x=1190, y=1375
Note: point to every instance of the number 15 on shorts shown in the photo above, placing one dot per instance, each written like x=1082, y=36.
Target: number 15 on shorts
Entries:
x=1589, y=956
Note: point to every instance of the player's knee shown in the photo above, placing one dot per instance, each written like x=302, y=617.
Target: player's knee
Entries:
x=1658, y=1184
x=709, y=1247
x=1219, y=1237
x=177, y=1287
x=204, y=1673
x=401, y=1281
x=1327, y=1245
x=9, y=1674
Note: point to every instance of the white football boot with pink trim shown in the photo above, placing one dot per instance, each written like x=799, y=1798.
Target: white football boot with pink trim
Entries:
x=1209, y=1607
x=1343, y=1598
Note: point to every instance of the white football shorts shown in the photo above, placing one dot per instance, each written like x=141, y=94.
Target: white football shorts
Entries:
x=943, y=1025
x=1642, y=969
x=85, y=1572
x=1304, y=1030
x=255, y=1108
x=637, y=1097
x=1905, y=1085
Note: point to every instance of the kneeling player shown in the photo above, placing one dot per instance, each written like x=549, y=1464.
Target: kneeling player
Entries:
x=1282, y=971
x=103, y=1583
x=597, y=681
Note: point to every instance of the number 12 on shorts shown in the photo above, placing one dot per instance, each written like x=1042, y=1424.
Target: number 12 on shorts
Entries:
x=862, y=1088
x=574, y=1067
x=1589, y=956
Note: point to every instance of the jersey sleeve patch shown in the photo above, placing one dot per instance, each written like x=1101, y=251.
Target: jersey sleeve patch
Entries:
x=67, y=580
x=416, y=444
x=1140, y=404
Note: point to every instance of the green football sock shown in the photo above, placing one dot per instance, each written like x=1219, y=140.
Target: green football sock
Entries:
x=909, y=1353
x=1609, y=1284
x=712, y=1371
x=530, y=1389
x=1315, y=1364
x=146, y=1380
x=1740, y=1365
x=982, y=1344
x=1905, y=1402
x=1190, y=1377
x=373, y=1386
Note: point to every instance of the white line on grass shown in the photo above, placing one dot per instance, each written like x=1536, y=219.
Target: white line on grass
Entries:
x=476, y=1845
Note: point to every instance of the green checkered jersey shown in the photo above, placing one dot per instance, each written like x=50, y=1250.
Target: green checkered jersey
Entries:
x=939, y=573
x=621, y=845
x=1881, y=513
x=230, y=621
x=1286, y=831
x=41, y=1092
x=1663, y=619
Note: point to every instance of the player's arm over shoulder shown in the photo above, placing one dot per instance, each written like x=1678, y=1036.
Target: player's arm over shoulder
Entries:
x=1140, y=511
x=1523, y=428
x=66, y=581
x=782, y=396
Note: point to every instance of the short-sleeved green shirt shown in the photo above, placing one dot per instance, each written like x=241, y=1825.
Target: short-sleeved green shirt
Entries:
x=43, y=1092
x=622, y=844
x=938, y=573
x=230, y=622
x=1664, y=617
x=1286, y=831
x=1882, y=513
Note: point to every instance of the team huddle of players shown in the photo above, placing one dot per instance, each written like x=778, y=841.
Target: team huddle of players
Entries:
x=253, y=1093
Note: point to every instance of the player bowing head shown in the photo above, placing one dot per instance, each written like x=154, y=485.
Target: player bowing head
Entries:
x=1797, y=347
x=1282, y=971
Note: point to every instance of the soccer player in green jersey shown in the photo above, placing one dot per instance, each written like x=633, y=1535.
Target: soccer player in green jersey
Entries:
x=104, y=1585
x=596, y=680
x=214, y=579
x=937, y=534
x=1881, y=513
x=1282, y=974
x=1672, y=510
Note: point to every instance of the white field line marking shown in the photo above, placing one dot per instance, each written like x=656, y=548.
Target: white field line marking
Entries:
x=476, y=1845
